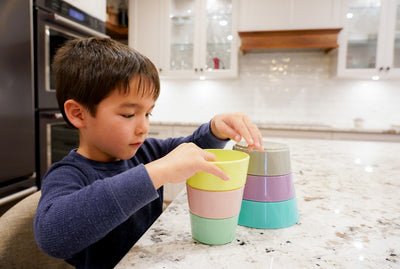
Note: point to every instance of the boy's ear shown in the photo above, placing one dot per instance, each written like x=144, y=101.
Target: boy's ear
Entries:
x=75, y=113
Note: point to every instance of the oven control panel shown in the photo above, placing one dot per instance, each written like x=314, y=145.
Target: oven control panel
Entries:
x=75, y=14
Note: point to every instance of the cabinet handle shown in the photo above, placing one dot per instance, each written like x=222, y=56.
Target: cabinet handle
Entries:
x=160, y=70
x=201, y=69
x=381, y=69
x=388, y=68
x=195, y=70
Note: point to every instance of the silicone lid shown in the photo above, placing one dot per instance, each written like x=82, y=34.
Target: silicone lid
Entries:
x=274, y=161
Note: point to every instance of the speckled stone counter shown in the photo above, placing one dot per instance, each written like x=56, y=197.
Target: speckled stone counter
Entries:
x=348, y=195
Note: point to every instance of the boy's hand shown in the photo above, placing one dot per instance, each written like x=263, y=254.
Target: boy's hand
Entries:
x=182, y=163
x=237, y=126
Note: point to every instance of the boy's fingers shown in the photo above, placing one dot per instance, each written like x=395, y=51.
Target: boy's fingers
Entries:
x=256, y=135
x=212, y=168
x=250, y=133
x=208, y=156
x=216, y=171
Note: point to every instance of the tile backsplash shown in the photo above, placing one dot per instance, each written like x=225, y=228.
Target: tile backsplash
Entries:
x=284, y=87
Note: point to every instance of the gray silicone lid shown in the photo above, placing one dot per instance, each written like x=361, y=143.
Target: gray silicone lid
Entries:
x=274, y=161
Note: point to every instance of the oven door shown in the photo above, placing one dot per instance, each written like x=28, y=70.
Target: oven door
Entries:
x=52, y=31
x=57, y=139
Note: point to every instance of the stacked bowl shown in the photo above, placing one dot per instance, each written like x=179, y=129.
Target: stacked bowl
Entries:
x=269, y=200
x=215, y=204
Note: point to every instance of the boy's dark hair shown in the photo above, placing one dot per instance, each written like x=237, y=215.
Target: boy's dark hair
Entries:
x=87, y=70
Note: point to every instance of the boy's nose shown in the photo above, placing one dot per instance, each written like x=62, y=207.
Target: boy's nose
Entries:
x=142, y=126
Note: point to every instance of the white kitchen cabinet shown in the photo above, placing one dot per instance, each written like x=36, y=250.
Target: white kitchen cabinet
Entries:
x=184, y=130
x=95, y=8
x=369, y=45
x=263, y=15
x=186, y=38
x=171, y=190
x=145, y=28
x=163, y=131
x=201, y=39
x=160, y=131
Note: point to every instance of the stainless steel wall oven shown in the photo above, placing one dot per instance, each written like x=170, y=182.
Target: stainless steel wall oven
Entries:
x=32, y=142
x=56, y=23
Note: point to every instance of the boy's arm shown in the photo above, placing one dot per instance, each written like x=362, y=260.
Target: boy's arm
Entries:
x=73, y=214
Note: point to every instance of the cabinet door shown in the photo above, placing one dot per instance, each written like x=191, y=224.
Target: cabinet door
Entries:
x=145, y=34
x=263, y=15
x=200, y=39
x=218, y=51
x=393, y=37
x=315, y=14
x=362, y=27
x=369, y=46
x=181, y=37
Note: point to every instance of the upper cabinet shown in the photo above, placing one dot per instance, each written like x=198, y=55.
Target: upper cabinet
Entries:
x=264, y=15
x=369, y=46
x=187, y=38
x=145, y=28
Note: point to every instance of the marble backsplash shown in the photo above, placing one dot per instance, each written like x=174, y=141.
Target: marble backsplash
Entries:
x=284, y=87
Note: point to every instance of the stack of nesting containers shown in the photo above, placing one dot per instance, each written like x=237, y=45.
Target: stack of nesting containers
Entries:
x=269, y=200
x=214, y=204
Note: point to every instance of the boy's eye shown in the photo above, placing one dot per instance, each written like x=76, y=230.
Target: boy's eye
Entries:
x=132, y=115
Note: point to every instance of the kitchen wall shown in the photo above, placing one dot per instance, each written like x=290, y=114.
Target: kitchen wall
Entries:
x=283, y=87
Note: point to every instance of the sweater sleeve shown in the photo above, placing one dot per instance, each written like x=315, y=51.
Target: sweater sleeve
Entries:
x=73, y=215
x=204, y=138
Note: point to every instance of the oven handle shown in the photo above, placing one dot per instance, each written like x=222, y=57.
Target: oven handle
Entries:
x=18, y=195
x=78, y=26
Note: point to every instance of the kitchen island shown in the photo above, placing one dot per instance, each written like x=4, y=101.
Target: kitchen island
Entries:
x=348, y=196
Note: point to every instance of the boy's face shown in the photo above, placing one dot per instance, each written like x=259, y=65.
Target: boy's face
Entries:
x=119, y=128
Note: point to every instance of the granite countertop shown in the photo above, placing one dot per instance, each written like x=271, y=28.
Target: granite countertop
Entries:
x=348, y=198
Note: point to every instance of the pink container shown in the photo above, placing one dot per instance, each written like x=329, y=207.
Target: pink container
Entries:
x=214, y=204
x=269, y=188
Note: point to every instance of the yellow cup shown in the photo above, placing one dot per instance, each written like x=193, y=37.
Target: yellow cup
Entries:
x=233, y=163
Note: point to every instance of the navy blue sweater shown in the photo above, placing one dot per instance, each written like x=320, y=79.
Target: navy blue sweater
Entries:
x=91, y=213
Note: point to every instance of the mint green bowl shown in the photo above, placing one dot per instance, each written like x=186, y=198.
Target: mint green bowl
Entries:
x=213, y=231
x=269, y=215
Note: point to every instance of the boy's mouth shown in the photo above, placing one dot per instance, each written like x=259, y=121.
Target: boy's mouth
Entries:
x=138, y=144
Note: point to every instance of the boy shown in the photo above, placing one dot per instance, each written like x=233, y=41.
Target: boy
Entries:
x=98, y=201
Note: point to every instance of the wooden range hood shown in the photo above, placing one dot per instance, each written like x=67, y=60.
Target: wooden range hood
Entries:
x=290, y=39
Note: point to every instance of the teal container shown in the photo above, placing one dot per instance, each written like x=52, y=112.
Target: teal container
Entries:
x=269, y=215
x=213, y=231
